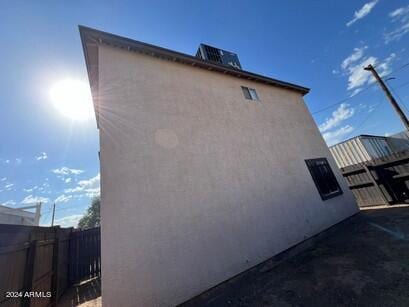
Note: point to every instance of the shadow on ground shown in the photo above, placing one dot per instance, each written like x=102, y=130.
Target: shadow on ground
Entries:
x=86, y=294
x=365, y=262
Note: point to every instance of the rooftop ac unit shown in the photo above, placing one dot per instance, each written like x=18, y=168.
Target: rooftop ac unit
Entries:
x=216, y=55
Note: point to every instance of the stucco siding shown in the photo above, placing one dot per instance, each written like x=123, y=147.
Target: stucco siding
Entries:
x=199, y=184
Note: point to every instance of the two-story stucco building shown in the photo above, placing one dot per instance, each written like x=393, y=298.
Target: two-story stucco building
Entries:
x=206, y=170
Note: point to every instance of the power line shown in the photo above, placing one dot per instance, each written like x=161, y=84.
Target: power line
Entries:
x=388, y=94
x=57, y=208
x=362, y=91
x=402, y=85
x=365, y=119
x=342, y=100
x=393, y=90
x=398, y=69
x=381, y=101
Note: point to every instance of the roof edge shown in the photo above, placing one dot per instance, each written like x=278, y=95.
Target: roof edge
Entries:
x=360, y=136
x=93, y=36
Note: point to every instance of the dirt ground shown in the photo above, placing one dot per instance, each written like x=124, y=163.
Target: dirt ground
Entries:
x=363, y=262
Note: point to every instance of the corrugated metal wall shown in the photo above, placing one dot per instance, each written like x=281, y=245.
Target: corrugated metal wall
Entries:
x=360, y=149
x=399, y=141
x=376, y=147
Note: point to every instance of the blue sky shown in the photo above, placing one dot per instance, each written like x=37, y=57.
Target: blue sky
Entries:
x=319, y=44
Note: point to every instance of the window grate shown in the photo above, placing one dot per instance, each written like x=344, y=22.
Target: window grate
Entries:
x=324, y=178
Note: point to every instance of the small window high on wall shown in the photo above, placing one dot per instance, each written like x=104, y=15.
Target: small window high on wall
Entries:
x=249, y=93
x=324, y=179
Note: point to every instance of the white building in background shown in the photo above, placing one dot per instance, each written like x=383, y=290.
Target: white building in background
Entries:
x=364, y=148
x=21, y=216
x=206, y=169
x=399, y=141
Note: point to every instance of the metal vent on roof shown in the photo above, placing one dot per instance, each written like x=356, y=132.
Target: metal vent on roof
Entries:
x=216, y=55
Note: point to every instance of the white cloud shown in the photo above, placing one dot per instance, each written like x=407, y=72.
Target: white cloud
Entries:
x=333, y=137
x=68, y=221
x=43, y=156
x=358, y=76
x=371, y=108
x=7, y=161
x=355, y=56
x=91, y=193
x=365, y=10
x=90, y=187
x=353, y=67
x=18, y=161
x=400, y=20
x=62, y=198
x=67, y=171
x=34, y=199
x=29, y=190
x=8, y=186
x=8, y=203
x=384, y=68
x=68, y=180
x=3, y=179
x=356, y=91
x=338, y=116
x=396, y=34
x=44, y=188
x=402, y=11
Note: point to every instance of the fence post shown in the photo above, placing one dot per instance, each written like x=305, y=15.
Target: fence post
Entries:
x=55, y=266
x=375, y=183
x=29, y=273
x=72, y=257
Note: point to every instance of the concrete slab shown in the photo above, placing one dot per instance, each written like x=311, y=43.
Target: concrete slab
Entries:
x=364, y=262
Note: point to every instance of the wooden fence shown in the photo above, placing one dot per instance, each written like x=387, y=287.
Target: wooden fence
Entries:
x=382, y=181
x=35, y=262
x=85, y=246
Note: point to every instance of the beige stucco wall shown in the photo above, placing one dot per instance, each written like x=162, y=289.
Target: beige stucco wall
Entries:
x=198, y=183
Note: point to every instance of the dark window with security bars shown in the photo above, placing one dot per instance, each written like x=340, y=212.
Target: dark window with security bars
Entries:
x=324, y=179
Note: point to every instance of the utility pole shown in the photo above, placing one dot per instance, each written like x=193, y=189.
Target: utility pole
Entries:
x=388, y=93
x=52, y=220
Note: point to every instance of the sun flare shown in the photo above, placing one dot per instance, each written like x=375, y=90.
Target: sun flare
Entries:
x=72, y=98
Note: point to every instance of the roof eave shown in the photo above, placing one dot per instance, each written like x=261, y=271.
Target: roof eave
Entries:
x=91, y=38
x=91, y=63
x=129, y=44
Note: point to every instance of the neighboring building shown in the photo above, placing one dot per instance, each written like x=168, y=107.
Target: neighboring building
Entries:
x=399, y=141
x=206, y=170
x=20, y=216
x=364, y=148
